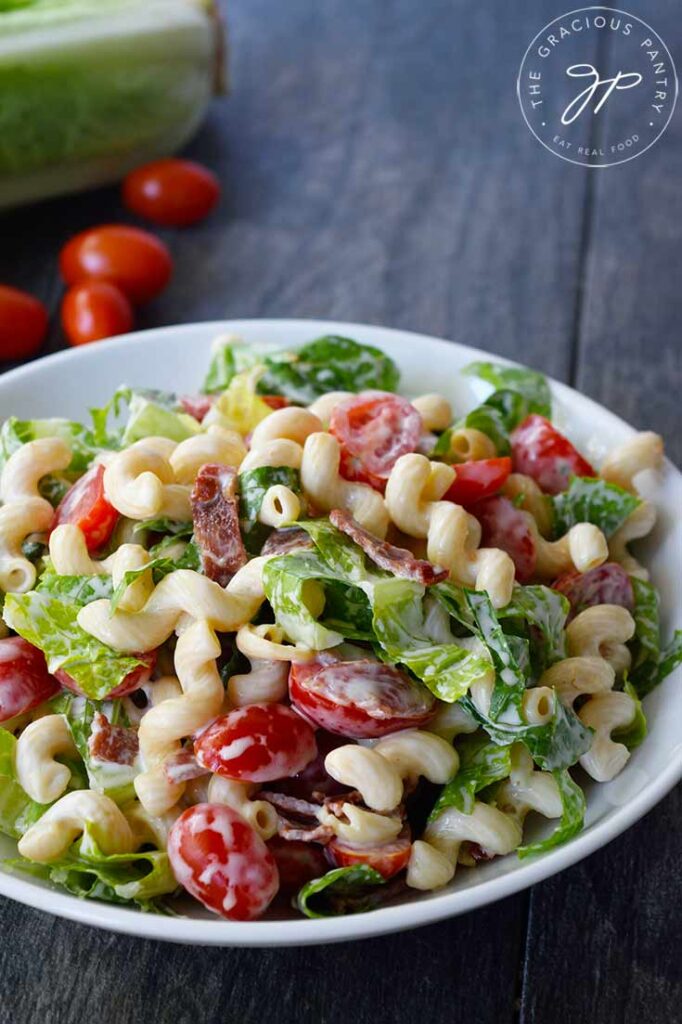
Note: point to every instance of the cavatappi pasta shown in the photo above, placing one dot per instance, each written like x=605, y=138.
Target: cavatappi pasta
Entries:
x=266, y=631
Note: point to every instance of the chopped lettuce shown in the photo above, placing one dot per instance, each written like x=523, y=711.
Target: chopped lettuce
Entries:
x=647, y=639
x=84, y=447
x=114, y=780
x=671, y=657
x=228, y=358
x=17, y=811
x=634, y=734
x=530, y=384
x=176, y=530
x=148, y=417
x=480, y=764
x=592, y=500
x=47, y=618
x=297, y=599
x=86, y=872
x=239, y=407
x=572, y=817
x=545, y=611
x=160, y=566
x=351, y=890
x=330, y=363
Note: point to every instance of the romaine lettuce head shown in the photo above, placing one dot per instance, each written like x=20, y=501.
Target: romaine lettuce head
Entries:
x=92, y=88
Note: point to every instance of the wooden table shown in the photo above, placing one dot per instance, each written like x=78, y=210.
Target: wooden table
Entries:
x=376, y=168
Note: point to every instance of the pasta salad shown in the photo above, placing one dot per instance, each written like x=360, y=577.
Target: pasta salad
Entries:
x=299, y=639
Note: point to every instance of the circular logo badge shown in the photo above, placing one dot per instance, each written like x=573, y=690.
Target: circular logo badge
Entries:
x=597, y=87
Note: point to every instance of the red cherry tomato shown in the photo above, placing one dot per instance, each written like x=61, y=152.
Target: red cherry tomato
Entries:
x=505, y=526
x=23, y=323
x=85, y=506
x=133, y=681
x=374, y=429
x=135, y=261
x=314, y=778
x=257, y=743
x=95, y=310
x=360, y=699
x=171, y=192
x=24, y=680
x=197, y=405
x=222, y=862
x=478, y=480
x=276, y=401
x=607, y=584
x=388, y=859
x=297, y=862
x=540, y=451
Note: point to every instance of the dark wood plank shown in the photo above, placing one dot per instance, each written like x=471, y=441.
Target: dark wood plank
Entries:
x=376, y=168
x=608, y=932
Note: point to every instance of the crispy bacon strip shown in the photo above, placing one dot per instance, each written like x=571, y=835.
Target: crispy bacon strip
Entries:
x=113, y=743
x=215, y=512
x=399, y=561
x=182, y=766
x=290, y=538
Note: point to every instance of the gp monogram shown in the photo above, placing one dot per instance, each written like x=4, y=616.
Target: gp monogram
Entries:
x=597, y=87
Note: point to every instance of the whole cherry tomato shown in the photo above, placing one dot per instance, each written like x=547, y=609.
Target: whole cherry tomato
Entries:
x=388, y=859
x=257, y=743
x=94, y=310
x=222, y=861
x=171, y=192
x=505, y=526
x=85, y=506
x=134, y=260
x=360, y=699
x=133, y=681
x=297, y=862
x=23, y=323
x=478, y=480
x=374, y=429
x=24, y=680
x=540, y=451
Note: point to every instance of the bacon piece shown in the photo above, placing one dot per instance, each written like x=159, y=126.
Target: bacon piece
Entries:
x=303, y=833
x=197, y=405
x=281, y=542
x=215, y=512
x=113, y=743
x=182, y=766
x=399, y=561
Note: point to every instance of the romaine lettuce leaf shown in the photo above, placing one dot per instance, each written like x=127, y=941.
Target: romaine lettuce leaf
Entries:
x=571, y=821
x=530, y=384
x=239, y=407
x=592, y=500
x=228, y=358
x=351, y=890
x=327, y=364
x=163, y=525
x=646, y=642
x=544, y=609
x=496, y=417
x=86, y=872
x=291, y=586
x=480, y=764
x=671, y=657
x=17, y=811
x=114, y=780
x=148, y=417
x=347, y=611
x=632, y=735
x=14, y=433
x=47, y=618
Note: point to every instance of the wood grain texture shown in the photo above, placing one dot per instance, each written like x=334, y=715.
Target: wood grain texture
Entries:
x=377, y=168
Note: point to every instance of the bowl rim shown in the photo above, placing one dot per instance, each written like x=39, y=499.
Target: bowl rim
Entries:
x=430, y=908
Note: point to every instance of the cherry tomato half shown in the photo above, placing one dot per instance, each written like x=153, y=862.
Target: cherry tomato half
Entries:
x=359, y=699
x=85, y=505
x=297, y=862
x=171, y=192
x=222, y=861
x=505, y=526
x=388, y=859
x=257, y=743
x=133, y=681
x=478, y=480
x=135, y=261
x=95, y=310
x=607, y=584
x=24, y=680
x=23, y=323
x=374, y=429
x=540, y=451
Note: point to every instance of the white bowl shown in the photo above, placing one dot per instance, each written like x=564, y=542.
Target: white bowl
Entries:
x=175, y=358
